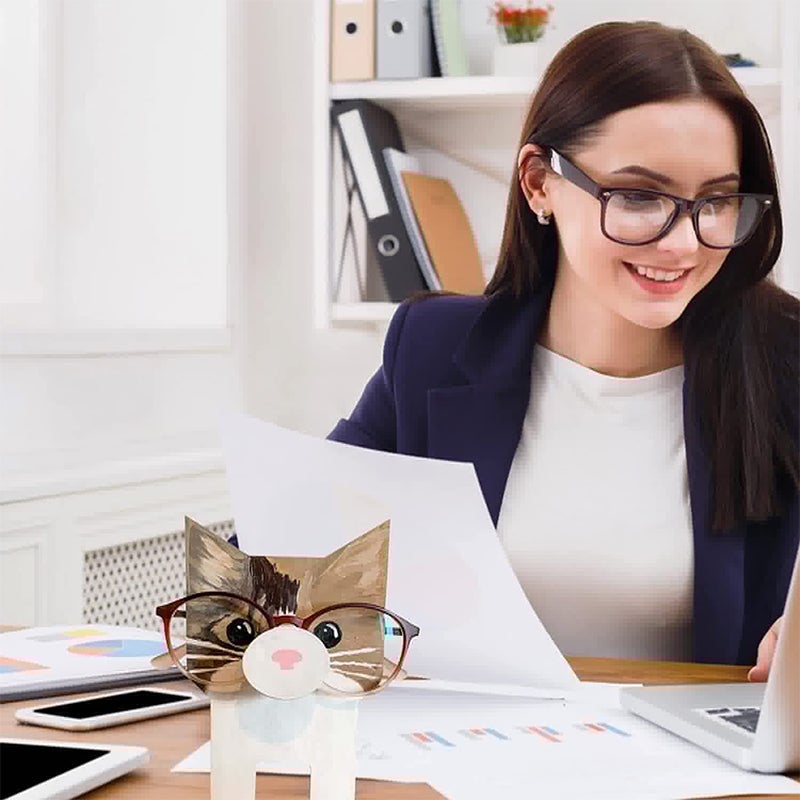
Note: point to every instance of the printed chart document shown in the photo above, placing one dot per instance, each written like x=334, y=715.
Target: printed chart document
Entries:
x=473, y=747
x=294, y=494
x=557, y=749
x=36, y=662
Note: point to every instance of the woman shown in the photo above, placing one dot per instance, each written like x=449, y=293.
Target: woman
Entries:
x=627, y=386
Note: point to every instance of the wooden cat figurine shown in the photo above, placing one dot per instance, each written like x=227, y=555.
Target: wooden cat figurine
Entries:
x=279, y=691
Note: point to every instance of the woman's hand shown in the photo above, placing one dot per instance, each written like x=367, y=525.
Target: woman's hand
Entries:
x=766, y=652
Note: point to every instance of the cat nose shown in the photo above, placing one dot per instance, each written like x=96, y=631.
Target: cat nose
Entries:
x=286, y=659
x=286, y=663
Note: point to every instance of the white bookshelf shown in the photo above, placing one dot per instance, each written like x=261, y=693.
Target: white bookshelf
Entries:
x=477, y=91
x=435, y=102
x=490, y=91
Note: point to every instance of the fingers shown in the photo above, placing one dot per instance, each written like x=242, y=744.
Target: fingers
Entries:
x=766, y=652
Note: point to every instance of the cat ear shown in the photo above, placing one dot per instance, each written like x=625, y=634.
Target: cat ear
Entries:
x=356, y=572
x=211, y=563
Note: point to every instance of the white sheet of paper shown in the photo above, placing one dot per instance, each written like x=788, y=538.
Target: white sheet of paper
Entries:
x=372, y=764
x=628, y=759
x=593, y=692
x=385, y=722
x=298, y=495
x=479, y=746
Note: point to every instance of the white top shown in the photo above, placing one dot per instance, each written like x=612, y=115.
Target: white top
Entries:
x=596, y=518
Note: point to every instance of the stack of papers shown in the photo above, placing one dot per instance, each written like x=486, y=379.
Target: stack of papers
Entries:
x=35, y=662
x=472, y=746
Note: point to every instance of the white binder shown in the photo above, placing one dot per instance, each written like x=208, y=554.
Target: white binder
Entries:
x=403, y=39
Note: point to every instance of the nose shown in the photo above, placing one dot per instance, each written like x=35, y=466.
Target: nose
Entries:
x=286, y=659
x=681, y=237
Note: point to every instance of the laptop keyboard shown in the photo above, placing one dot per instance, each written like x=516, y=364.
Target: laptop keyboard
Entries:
x=744, y=718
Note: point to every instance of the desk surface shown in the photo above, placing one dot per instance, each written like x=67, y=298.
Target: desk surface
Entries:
x=172, y=738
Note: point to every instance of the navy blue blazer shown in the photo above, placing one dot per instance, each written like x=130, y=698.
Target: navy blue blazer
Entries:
x=455, y=383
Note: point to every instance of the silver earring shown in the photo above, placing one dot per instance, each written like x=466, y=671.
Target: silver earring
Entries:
x=544, y=219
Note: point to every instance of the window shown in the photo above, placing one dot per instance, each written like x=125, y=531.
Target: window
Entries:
x=113, y=166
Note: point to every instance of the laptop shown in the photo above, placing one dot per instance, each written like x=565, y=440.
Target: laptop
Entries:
x=754, y=725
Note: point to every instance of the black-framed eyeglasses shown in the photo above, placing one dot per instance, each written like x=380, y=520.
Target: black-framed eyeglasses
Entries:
x=207, y=634
x=635, y=216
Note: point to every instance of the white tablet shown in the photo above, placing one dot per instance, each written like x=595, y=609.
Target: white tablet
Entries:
x=44, y=770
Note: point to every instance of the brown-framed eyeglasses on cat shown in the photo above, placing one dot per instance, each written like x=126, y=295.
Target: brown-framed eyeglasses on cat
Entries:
x=207, y=634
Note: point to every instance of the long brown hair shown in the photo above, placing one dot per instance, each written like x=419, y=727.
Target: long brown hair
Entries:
x=741, y=332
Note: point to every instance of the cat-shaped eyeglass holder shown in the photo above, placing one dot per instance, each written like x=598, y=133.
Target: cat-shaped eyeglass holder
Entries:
x=285, y=648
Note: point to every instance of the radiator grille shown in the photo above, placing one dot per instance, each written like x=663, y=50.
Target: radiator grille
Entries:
x=122, y=585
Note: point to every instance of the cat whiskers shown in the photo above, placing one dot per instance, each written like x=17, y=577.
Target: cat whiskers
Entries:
x=353, y=673
x=353, y=652
x=211, y=657
x=195, y=670
x=211, y=646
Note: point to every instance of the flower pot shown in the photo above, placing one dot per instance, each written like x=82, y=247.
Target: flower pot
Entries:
x=525, y=59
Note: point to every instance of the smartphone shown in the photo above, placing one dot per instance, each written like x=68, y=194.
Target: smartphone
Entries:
x=112, y=708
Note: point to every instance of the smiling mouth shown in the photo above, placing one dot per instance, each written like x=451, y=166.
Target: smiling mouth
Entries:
x=656, y=275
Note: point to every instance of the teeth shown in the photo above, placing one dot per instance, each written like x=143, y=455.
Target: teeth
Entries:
x=657, y=274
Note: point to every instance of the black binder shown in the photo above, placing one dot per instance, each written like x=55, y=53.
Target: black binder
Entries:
x=365, y=129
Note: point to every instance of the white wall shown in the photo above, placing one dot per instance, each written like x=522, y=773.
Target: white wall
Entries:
x=131, y=133
x=294, y=375
x=22, y=168
x=729, y=26
x=141, y=164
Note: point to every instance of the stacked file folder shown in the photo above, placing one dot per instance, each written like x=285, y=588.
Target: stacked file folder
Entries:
x=417, y=228
x=389, y=39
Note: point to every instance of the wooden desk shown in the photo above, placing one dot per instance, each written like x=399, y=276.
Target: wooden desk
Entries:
x=172, y=738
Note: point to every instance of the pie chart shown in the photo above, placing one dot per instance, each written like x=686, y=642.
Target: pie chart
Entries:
x=118, y=648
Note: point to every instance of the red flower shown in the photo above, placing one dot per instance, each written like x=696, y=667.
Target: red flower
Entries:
x=519, y=24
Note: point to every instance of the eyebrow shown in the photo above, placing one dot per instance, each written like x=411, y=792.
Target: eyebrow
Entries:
x=635, y=169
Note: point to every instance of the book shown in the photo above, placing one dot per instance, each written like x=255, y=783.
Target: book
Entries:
x=37, y=662
x=448, y=235
x=448, y=37
x=398, y=162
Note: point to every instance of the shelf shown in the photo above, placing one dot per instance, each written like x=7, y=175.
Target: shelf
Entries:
x=487, y=91
x=492, y=93
x=469, y=92
x=469, y=127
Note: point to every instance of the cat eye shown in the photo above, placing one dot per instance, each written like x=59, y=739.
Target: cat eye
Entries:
x=240, y=632
x=328, y=633
x=207, y=633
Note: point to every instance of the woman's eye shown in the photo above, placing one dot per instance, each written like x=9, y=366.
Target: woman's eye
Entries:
x=240, y=632
x=638, y=199
x=329, y=633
